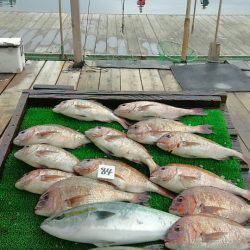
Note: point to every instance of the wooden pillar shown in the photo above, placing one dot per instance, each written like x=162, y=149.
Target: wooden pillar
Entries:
x=214, y=49
x=194, y=14
x=61, y=28
x=76, y=31
x=186, y=33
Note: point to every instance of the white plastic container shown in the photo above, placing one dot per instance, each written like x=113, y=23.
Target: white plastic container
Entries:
x=12, y=59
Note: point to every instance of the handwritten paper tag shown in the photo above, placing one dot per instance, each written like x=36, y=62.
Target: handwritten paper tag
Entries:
x=106, y=172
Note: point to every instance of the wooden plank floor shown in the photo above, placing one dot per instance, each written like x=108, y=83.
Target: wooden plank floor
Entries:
x=144, y=35
x=92, y=79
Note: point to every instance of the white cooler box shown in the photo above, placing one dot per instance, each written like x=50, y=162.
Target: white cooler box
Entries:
x=12, y=59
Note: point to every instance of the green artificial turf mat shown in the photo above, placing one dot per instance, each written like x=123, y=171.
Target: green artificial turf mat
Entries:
x=19, y=226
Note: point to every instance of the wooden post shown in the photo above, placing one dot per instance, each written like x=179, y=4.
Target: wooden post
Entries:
x=186, y=33
x=76, y=31
x=61, y=27
x=214, y=49
x=194, y=14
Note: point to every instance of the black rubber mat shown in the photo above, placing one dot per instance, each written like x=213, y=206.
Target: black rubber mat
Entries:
x=211, y=76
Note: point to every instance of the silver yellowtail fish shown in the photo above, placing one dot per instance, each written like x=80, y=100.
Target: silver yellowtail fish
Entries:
x=143, y=110
x=199, y=232
x=211, y=200
x=178, y=177
x=194, y=146
x=112, y=223
x=47, y=156
x=55, y=135
x=126, y=178
x=151, y=130
x=86, y=110
x=38, y=181
x=116, y=143
x=77, y=191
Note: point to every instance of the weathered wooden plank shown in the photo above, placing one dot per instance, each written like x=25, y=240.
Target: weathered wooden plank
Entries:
x=240, y=115
x=5, y=80
x=69, y=76
x=101, y=41
x=122, y=41
x=49, y=73
x=133, y=45
x=92, y=34
x=112, y=40
x=150, y=34
x=130, y=80
x=244, y=98
x=144, y=45
x=151, y=80
x=89, y=79
x=169, y=82
x=110, y=80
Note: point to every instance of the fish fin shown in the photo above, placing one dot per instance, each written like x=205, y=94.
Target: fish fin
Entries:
x=205, y=129
x=50, y=177
x=210, y=209
x=101, y=215
x=189, y=143
x=75, y=200
x=124, y=123
x=41, y=166
x=145, y=107
x=198, y=111
x=223, y=158
x=140, y=198
x=188, y=178
x=103, y=243
x=119, y=176
x=82, y=106
x=111, y=138
x=44, y=152
x=45, y=133
x=166, y=193
x=148, y=116
x=212, y=236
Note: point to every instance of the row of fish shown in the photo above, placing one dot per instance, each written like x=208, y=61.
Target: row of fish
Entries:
x=73, y=202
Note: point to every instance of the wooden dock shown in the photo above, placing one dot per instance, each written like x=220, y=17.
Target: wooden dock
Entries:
x=93, y=79
x=144, y=35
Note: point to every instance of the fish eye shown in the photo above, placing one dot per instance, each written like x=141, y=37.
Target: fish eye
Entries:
x=98, y=127
x=168, y=136
x=46, y=196
x=87, y=160
x=123, y=105
x=179, y=199
x=22, y=132
x=177, y=228
x=162, y=169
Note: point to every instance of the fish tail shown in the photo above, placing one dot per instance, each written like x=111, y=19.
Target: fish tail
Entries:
x=246, y=159
x=151, y=165
x=165, y=193
x=204, y=129
x=124, y=123
x=197, y=111
x=140, y=198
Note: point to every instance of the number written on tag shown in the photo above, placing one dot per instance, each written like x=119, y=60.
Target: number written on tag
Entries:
x=106, y=172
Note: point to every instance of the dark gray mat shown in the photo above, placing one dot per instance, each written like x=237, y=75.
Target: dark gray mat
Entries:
x=133, y=64
x=211, y=76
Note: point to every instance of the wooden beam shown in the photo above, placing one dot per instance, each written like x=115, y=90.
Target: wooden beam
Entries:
x=218, y=22
x=76, y=31
x=186, y=33
x=194, y=14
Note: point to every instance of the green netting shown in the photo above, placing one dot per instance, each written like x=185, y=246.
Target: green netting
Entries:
x=19, y=226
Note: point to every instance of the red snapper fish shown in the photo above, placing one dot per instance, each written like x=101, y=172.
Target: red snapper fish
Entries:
x=143, y=110
x=213, y=201
x=199, y=232
x=151, y=130
x=86, y=110
x=116, y=143
x=55, y=135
